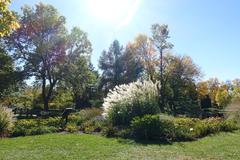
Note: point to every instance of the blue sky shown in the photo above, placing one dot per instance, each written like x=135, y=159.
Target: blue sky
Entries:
x=206, y=30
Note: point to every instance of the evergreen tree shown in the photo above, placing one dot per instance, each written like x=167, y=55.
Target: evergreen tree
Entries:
x=112, y=67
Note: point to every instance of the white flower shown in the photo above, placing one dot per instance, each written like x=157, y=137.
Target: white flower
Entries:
x=191, y=129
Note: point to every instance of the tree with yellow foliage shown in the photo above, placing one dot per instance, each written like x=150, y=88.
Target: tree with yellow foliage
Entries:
x=144, y=49
x=8, y=20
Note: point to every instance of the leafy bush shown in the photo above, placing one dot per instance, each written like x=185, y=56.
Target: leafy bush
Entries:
x=42, y=130
x=6, y=121
x=92, y=126
x=23, y=127
x=110, y=131
x=229, y=125
x=136, y=99
x=96, y=102
x=84, y=115
x=21, y=131
x=166, y=128
x=71, y=127
x=87, y=120
x=190, y=128
x=36, y=126
x=209, y=126
x=53, y=121
x=29, y=123
x=185, y=128
x=151, y=127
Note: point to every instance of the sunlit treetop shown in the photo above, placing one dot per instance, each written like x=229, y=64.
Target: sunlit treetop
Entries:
x=8, y=20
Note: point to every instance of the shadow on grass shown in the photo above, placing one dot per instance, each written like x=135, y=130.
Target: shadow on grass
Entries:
x=144, y=142
x=169, y=142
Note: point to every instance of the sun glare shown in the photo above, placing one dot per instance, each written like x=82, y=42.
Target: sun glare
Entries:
x=114, y=11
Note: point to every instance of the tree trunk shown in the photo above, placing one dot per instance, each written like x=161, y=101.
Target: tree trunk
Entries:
x=161, y=89
x=46, y=107
x=77, y=101
x=44, y=97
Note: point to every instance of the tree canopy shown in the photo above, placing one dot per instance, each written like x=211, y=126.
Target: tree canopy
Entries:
x=8, y=19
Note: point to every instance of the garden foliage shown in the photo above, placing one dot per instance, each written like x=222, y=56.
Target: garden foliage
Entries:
x=6, y=121
x=153, y=127
x=36, y=126
x=125, y=102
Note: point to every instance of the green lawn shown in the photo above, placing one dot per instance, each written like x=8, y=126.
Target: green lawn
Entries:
x=73, y=146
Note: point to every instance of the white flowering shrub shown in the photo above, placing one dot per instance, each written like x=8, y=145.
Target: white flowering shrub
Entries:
x=127, y=101
x=6, y=121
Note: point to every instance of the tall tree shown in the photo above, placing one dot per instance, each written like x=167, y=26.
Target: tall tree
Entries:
x=223, y=96
x=111, y=65
x=202, y=89
x=10, y=76
x=144, y=50
x=78, y=75
x=79, y=78
x=40, y=45
x=236, y=89
x=160, y=35
x=210, y=90
x=8, y=20
x=181, y=75
x=6, y=70
x=132, y=65
x=213, y=87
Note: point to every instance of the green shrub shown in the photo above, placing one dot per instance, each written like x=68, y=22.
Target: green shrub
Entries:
x=92, y=126
x=52, y=121
x=23, y=127
x=6, y=121
x=229, y=125
x=84, y=115
x=124, y=133
x=19, y=131
x=75, y=118
x=27, y=123
x=30, y=123
x=71, y=127
x=165, y=128
x=151, y=127
x=96, y=102
x=214, y=125
x=209, y=126
x=88, y=120
x=110, y=131
x=185, y=128
x=90, y=113
x=42, y=130
x=36, y=126
x=190, y=129
x=133, y=100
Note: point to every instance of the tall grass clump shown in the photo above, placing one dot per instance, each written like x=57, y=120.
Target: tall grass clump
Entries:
x=6, y=121
x=85, y=115
x=232, y=111
x=127, y=101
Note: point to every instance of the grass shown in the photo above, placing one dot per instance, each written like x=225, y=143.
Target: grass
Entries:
x=75, y=146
